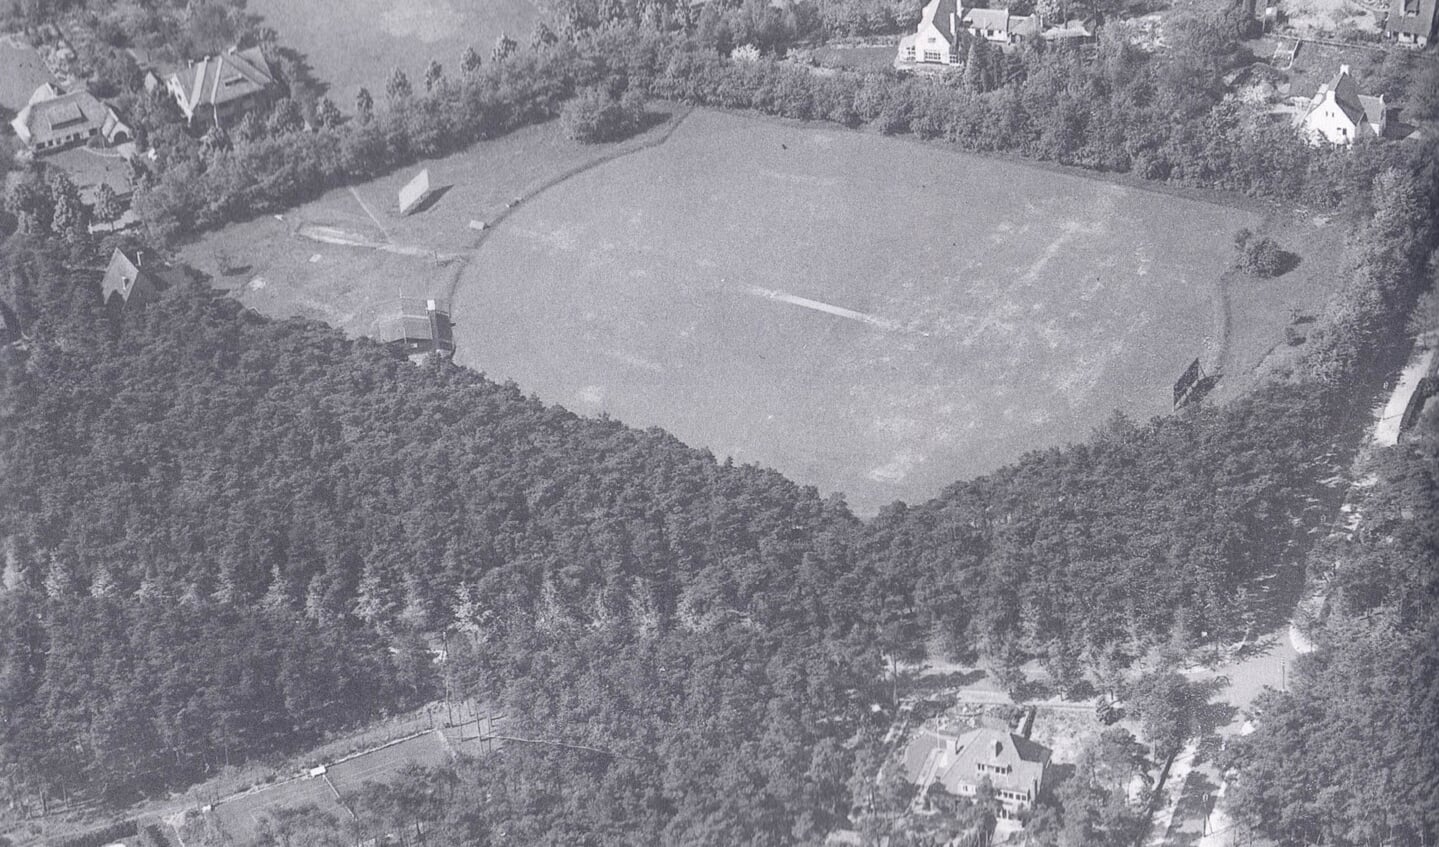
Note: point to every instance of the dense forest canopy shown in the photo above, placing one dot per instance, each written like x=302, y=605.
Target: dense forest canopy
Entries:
x=225, y=536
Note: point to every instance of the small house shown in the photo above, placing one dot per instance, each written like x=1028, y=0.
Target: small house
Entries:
x=220, y=89
x=1412, y=22
x=127, y=283
x=1339, y=114
x=54, y=121
x=422, y=326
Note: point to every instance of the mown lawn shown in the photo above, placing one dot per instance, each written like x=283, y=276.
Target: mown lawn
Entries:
x=868, y=315
x=272, y=267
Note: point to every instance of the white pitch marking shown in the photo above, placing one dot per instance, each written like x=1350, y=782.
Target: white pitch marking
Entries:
x=837, y=311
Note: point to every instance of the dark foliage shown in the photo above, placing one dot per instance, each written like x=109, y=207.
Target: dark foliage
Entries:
x=1343, y=758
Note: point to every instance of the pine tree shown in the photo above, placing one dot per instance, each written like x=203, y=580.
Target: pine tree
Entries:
x=470, y=62
x=542, y=37
x=364, y=104
x=107, y=205
x=328, y=113
x=504, y=48
x=69, y=219
x=398, y=87
x=434, y=74
x=974, y=63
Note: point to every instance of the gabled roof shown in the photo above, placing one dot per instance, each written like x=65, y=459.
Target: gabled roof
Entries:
x=216, y=80
x=1361, y=110
x=1027, y=26
x=51, y=115
x=995, y=19
x=124, y=276
x=942, y=14
x=420, y=320
x=1008, y=761
x=1374, y=108
x=1412, y=17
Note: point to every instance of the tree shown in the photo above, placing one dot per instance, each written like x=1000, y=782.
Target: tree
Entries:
x=252, y=128
x=434, y=74
x=543, y=37
x=107, y=205
x=595, y=115
x=69, y=221
x=1262, y=256
x=975, y=67
x=1168, y=706
x=470, y=62
x=1424, y=92
x=364, y=104
x=505, y=47
x=286, y=117
x=328, y=113
x=398, y=88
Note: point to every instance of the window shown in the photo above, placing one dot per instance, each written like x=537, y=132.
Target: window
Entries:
x=909, y=54
x=933, y=56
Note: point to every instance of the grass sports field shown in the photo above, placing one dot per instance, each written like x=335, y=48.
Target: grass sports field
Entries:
x=322, y=260
x=868, y=315
x=357, y=43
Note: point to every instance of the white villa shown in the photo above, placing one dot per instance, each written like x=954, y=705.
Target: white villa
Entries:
x=936, y=41
x=1339, y=114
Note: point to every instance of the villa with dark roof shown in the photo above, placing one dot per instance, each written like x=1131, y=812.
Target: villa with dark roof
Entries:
x=219, y=89
x=53, y=121
x=1412, y=21
x=960, y=762
x=1339, y=114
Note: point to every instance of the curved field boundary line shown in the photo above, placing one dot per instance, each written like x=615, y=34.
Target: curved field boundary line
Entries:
x=622, y=150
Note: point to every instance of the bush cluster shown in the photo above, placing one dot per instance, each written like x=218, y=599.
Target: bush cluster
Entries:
x=596, y=115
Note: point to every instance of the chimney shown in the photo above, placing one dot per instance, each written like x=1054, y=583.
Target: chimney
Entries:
x=954, y=24
x=1344, y=70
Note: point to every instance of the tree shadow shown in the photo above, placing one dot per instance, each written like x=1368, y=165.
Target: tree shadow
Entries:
x=1285, y=261
x=1257, y=647
x=1032, y=689
x=300, y=75
x=952, y=679
x=1196, y=803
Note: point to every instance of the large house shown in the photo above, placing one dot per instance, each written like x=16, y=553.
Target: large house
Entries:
x=1412, y=21
x=1339, y=114
x=942, y=24
x=53, y=121
x=219, y=89
x=961, y=761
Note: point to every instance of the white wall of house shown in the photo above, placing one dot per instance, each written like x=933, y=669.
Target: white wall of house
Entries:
x=931, y=45
x=1329, y=122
